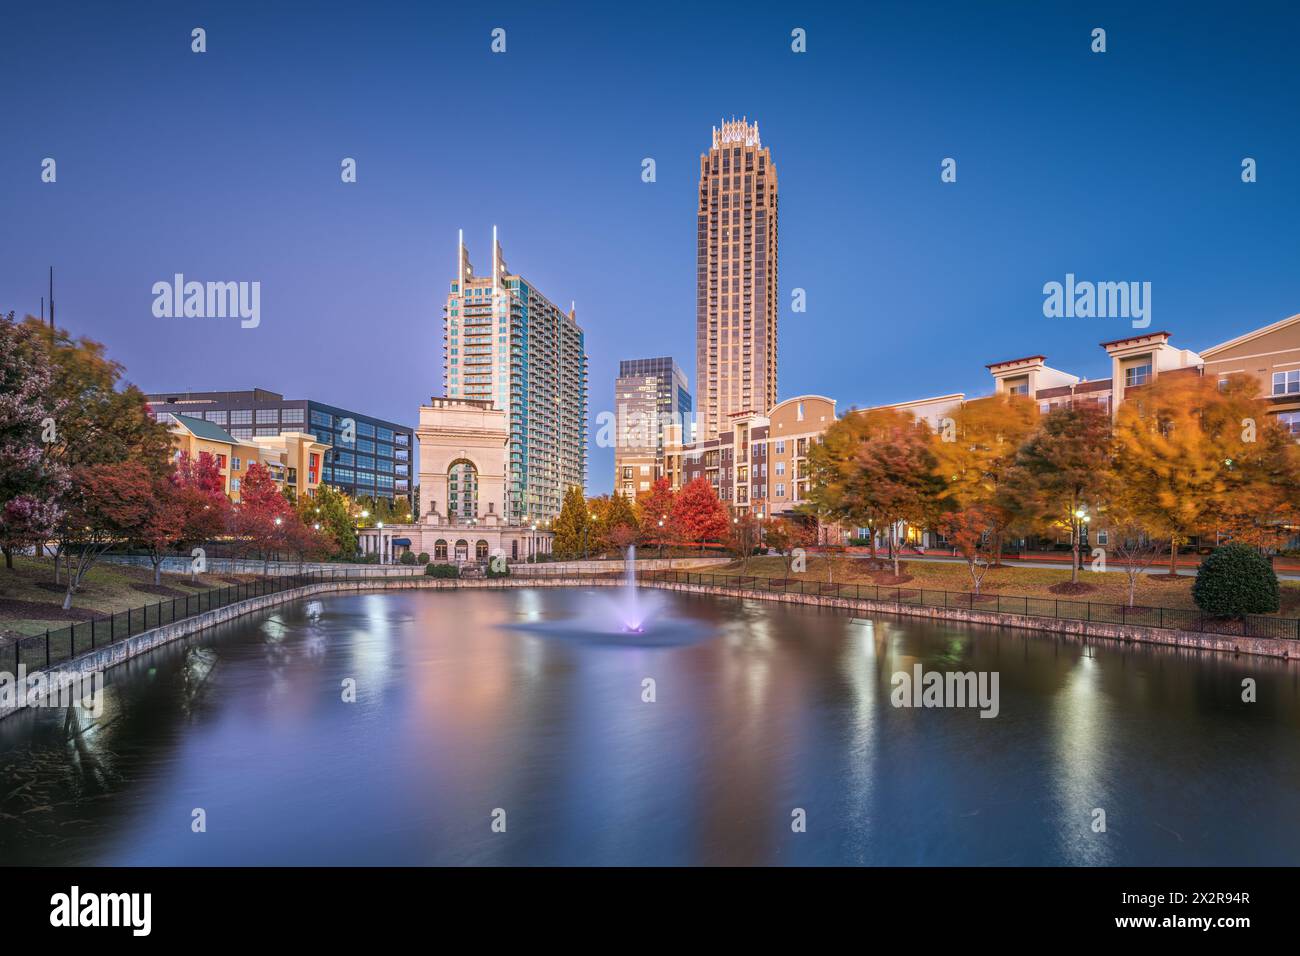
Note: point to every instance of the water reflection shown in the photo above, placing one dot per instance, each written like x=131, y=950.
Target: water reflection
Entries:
x=777, y=708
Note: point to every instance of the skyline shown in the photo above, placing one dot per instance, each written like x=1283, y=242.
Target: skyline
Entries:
x=1123, y=166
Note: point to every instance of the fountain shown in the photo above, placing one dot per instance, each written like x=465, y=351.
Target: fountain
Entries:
x=629, y=616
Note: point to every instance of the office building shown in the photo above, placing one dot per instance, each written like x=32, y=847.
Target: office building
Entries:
x=649, y=396
x=369, y=456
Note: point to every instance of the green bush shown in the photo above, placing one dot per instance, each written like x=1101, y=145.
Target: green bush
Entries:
x=423, y=558
x=406, y=558
x=1236, y=579
x=442, y=571
x=494, y=573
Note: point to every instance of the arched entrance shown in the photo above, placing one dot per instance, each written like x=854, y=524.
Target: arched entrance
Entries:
x=481, y=551
x=462, y=490
x=462, y=550
x=440, y=550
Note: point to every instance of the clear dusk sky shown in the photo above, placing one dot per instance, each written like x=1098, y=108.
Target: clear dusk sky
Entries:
x=224, y=166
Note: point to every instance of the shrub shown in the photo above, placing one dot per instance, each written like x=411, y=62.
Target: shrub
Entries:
x=442, y=571
x=423, y=558
x=407, y=558
x=493, y=573
x=1236, y=579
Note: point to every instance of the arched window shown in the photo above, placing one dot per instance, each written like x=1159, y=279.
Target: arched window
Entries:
x=440, y=550
x=462, y=550
x=481, y=551
x=462, y=490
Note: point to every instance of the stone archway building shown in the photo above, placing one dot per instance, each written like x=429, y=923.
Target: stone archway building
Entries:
x=463, y=447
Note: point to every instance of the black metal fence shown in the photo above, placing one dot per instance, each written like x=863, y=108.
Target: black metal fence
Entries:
x=63, y=644
x=1252, y=625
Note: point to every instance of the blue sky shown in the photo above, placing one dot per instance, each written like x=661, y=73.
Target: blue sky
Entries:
x=1122, y=166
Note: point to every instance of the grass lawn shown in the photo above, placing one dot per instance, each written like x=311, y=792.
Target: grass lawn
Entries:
x=30, y=601
x=1109, y=587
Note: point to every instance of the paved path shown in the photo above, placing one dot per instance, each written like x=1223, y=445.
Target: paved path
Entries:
x=1061, y=565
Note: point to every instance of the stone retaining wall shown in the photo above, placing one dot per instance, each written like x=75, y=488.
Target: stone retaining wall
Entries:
x=110, y=655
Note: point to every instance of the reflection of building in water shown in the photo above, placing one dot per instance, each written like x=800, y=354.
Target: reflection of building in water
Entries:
x=463, y=447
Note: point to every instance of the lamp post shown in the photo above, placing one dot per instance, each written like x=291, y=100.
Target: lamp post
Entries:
x=1080, y=518
x=661, y=538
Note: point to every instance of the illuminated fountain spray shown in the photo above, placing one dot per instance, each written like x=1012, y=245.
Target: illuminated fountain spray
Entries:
x=631, y=613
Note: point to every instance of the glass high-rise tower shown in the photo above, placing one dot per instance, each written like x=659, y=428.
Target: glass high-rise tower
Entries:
x=506, y=343
x=736, y=298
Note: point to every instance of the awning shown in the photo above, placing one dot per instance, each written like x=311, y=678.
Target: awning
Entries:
x=404, y=542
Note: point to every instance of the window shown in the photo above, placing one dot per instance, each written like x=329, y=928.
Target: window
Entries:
x=780, y=447
x=234, y=464
x=221, y=461
x=1103, y=538
x=291, y=415
x=780, y=490
x=780, y=468
x=1291, y=422
x=268, y=416
x=1286, y=383
x=321, y=418
x=241, y=416
x=234, y=484
x=1020, y=388
x=267, y=431
x=241, y=432
x=218, y=417
x=1137, y=375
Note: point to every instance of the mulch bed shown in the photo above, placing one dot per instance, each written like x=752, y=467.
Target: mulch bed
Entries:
x=159, y=589
x=1069, y=587
x=63, y=588
x=43, y=612
x=891, y=580
x=1167, y=577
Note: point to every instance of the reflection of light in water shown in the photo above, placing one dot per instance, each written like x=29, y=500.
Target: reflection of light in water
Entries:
x=861, y=678
x=530, y=604
x=1079, y=728
x=372, y=650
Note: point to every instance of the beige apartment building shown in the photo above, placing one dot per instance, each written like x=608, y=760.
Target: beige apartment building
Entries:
x=736, y=279
x=1270, y=354
x=294, y=459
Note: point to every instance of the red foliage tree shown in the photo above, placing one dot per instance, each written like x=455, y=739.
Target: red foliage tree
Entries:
x=697, y=514
x=655, y=506
x=107, y=505
x=201, y=502
x=264, y=520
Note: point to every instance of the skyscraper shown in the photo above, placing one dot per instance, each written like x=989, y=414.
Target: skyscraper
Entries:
x=736, y=305
x=506, y=343
x=649, y=394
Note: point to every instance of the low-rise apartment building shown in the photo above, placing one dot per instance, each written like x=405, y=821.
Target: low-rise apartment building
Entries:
x=295, y=460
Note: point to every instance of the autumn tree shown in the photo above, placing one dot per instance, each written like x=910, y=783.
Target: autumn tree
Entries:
x=697, y=514
x=617, y=523
x=331, y=509
x=971, y=531
x=975, y=452
x=1061, y=472
x=743, y=536
x=107, y=504
x=572, y=525
x=203, y=510
x=31, y=481
x=100, y=428
x=264, y=521
x=877, y=465
x=1185, y=455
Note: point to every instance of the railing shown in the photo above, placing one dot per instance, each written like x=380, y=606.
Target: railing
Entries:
x=1251, y=625
x=63, y=644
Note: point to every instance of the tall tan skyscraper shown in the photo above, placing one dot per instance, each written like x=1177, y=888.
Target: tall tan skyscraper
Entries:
x=736, y=305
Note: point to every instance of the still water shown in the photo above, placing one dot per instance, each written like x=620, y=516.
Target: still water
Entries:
x=460, y=713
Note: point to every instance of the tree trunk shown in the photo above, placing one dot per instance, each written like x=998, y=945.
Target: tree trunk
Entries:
x=893, y=546
x=9, y=558
x=1173, y=555
x=157, y=572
